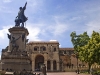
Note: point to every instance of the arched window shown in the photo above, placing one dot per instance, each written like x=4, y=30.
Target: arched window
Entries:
x=36, y=48
x=10, y=69
x=7, y=69
x=72, y=65
x=54, y=49
x=43, y=48
x=24, y=69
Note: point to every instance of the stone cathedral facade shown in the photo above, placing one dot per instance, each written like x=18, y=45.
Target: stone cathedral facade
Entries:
x=21, y=55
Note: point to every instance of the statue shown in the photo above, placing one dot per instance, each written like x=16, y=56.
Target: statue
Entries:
x=9, y=36
x=23, y=36
x=14, y=45
x=13, y=40
x=21, y=18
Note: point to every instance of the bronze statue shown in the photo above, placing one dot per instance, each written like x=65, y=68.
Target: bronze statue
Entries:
x=21, y=18
x=14, y=45
x=9, y=36
x=23, y=36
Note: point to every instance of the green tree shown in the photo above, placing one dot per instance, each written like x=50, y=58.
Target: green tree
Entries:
x=88, y=48
x=79, y=41
x=91, y=51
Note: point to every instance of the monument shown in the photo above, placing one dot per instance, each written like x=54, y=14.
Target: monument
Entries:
x=15, y=56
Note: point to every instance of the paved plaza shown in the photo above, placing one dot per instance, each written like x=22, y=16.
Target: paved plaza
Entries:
x=63, y=73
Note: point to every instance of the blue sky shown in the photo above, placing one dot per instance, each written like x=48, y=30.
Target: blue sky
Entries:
x=51, y=19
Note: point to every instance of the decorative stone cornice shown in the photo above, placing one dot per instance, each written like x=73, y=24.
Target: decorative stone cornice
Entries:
x=18, y=29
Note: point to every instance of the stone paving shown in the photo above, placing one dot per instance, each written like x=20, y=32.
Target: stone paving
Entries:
x=62, y=73
x=65, y=73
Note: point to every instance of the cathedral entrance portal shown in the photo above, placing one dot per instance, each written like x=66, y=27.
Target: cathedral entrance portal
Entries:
x=39, y=61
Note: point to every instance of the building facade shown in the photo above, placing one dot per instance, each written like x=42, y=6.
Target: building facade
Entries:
x=44, y=53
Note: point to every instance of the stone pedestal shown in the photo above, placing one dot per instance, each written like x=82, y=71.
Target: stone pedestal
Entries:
x=16, y=59
x=15, y=63
x=21, y=33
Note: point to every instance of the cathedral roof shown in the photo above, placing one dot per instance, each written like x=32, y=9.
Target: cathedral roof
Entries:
x=66, y=48
x=43, y=42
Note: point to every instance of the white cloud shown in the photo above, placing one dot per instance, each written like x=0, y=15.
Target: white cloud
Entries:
x=86, y=19
x=35, y=5
x=4, y=10
x=93, y=25
x=33, y=32
x=92, y=21
x=4, y=31
x=59, y=29
x=3, y=36
x=60, y=25
x=53, y=40
x=78, y=18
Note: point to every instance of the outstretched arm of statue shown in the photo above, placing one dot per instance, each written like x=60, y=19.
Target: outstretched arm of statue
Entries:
x=25, y=6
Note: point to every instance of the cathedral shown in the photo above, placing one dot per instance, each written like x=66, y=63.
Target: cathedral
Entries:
x=22, y=55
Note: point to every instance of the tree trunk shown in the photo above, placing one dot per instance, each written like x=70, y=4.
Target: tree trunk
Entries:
x=89, y=68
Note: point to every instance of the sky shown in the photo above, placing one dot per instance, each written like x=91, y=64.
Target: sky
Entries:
x=51, y=19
